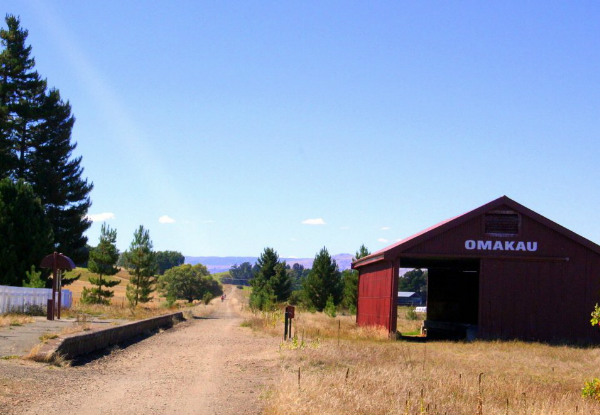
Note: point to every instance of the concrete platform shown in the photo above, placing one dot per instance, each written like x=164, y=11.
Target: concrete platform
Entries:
x=19, y=340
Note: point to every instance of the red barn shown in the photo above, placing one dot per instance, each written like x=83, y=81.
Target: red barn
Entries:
x=501, y=271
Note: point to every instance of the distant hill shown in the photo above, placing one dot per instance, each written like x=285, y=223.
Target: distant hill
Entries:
x=221, y=264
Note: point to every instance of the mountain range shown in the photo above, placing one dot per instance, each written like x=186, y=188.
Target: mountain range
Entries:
x=221, y=264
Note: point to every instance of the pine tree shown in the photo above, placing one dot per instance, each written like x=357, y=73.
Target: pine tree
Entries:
x=102, y=262
x=262, y=296
x=21, y=95
x=350, y=279
x=141, y=262
x=281, y=282
x=26, y=233
x=35, y=143
x=272, y=282
x=33, y=279
x=324, y=280
x=56, y=178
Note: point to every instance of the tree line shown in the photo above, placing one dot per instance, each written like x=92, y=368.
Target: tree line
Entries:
x=321, y=288
x=44, y=197
x=150, y=271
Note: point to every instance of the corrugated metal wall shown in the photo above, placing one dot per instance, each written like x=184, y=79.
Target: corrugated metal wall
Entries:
x=20, y=299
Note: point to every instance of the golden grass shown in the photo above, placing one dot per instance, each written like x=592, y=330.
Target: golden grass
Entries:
x=436, y=378
x=14, y=320
x=85, y=274
x=55, y=359
x=84, y=312
x=366, y=373
x=308, y=325
x=119, y=306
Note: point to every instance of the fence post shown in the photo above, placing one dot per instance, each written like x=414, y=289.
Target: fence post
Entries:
x=50, y=310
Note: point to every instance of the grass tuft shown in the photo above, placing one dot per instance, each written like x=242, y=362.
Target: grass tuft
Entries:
x=15, y=320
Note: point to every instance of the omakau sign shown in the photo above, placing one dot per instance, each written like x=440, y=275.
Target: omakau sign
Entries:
x=489, y=245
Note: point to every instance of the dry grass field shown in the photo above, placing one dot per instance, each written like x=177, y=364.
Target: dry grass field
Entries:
x=77, y=287
x=118, y=299
x=119, y=307
x=334, y=367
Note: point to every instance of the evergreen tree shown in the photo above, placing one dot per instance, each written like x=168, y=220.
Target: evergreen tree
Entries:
x=102, y=262
x=414, y=281
x=350, y=279
x=271, y=283
x=33, y=279
x=21, y=95
x=26, y=234
x=281, y=282
x=141, y=263
x=35, y=143
x=56, y=178
x=241, y=274
x=297, y=274
x=262, y=296
x=324, y=280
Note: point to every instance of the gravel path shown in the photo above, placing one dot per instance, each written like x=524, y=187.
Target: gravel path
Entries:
x=203, y=366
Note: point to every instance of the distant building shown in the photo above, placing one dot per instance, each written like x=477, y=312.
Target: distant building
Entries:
x=409, y=298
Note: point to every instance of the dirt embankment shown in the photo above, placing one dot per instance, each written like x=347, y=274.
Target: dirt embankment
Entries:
x=207, y=365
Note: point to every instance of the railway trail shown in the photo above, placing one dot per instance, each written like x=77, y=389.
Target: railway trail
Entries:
x=207, y=365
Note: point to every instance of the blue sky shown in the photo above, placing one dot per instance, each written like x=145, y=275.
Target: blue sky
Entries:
x=298, y=125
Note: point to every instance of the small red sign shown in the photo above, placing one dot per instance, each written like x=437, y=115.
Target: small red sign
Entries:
x=290, y=311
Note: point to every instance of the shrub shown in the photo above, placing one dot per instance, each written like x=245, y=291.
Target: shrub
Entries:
x=28, y=310
x=330, y=307
x=295, y=298
x=33, y=279
x=591, y=389
x=595, y=321
x=411, y=314
x=206, y=298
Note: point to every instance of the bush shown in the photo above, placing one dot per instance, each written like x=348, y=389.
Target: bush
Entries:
x=295, y=298
x=206, y=298
x=33, y=279
x=29, y=310
x=411, y=314
x=263, y=300
x=330, y=307
x=595, y=321
x=591, y=389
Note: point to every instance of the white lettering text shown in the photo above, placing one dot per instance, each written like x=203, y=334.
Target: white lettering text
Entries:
x=488, y=245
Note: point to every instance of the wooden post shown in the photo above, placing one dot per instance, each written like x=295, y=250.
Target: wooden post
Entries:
x=59, y=293
x=54, y=283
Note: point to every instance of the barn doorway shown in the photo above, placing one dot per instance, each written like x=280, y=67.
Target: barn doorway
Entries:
x=452, y=300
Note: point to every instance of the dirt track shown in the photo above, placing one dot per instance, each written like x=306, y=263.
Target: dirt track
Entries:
x=203, y=366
